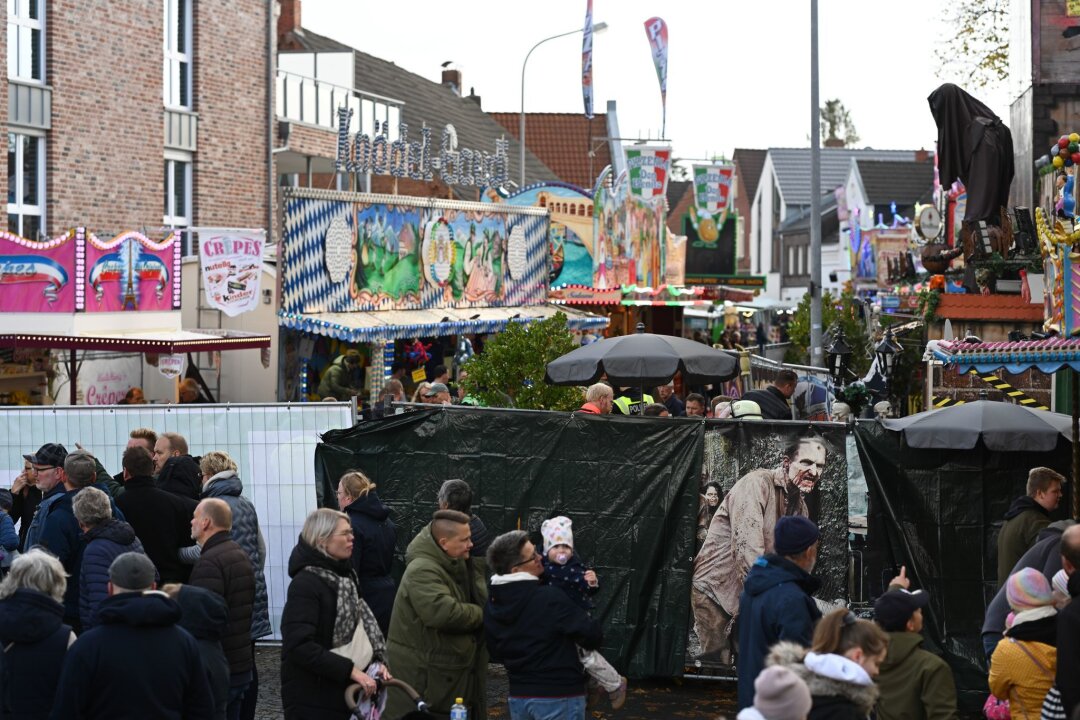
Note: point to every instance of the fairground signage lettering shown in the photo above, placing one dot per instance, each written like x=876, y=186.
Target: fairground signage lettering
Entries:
x=418, y=160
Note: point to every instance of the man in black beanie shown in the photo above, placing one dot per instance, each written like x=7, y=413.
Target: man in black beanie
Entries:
x=776, y=602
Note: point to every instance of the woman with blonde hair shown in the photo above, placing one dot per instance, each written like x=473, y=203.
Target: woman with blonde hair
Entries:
x=418, y=394
x=374, y=537
x=330, y=637
x=840, y=666
x=33, y=636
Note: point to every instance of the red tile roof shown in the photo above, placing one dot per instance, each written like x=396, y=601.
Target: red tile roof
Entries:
x=685, y=192
x=989, y=308
x=570, y=144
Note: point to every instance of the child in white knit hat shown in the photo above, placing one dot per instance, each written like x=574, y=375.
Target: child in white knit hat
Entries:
x=565, y=570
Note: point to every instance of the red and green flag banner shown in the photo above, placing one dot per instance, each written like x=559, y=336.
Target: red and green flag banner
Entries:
x=712, y=196
x=656, y=30
x=648, y=169
x=586, y=62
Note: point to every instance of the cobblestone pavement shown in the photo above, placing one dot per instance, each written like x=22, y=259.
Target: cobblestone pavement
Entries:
x=649, y=699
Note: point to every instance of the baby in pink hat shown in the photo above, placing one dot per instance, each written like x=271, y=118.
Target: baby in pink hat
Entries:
x=565, y=570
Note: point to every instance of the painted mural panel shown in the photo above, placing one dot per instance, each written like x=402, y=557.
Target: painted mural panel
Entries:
x=362, y=253
x=132, y=272
x=37, y=276
x=607, y=239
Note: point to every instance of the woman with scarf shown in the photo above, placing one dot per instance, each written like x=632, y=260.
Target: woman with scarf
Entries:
x=330, y=638
x=840, y=666
x=1023, y=665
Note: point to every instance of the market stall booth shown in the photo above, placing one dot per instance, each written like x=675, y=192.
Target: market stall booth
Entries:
x=404, y=280
x=79, y=293
x=613, y=253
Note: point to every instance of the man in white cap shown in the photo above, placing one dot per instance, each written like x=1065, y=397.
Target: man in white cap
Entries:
x=137, y=662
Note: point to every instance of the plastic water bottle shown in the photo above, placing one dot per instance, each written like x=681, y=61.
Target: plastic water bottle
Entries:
x=458, y=711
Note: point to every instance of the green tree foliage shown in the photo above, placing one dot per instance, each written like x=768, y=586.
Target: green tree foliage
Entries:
x=512, y=367
x=840, y=311
x=836, y=124
x=976, y=48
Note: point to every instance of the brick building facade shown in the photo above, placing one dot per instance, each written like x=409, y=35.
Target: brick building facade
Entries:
x=146, y=115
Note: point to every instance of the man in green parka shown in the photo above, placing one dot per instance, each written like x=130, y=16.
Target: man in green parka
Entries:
x=1027, y=516
x=340, y=381
x=435, y=641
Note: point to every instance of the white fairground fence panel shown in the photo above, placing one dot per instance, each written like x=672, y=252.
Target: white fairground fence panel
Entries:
x=273, y=444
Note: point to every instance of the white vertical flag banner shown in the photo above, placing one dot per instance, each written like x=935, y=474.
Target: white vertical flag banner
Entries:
x=231, y=263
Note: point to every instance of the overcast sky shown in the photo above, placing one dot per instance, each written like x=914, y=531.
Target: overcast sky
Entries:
x=738, y=71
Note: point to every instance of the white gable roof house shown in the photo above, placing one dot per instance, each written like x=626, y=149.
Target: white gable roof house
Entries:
x=783, y=193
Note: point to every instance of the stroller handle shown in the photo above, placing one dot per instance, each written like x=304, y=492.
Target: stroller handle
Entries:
x=354, y=691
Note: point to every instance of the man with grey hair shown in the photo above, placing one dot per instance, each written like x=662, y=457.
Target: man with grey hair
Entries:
x=534, y=631
x=456, y=494
x=671, y=401
x=599, y=399
x=61, y=534
x=47, y=467
x=137, y=662
x=105, y=538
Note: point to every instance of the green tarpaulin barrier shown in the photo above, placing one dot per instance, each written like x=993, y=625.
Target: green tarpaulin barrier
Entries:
x=630, y=485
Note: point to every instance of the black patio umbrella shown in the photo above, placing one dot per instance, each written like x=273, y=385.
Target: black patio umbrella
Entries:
x=642, y=360
x=1002, y=426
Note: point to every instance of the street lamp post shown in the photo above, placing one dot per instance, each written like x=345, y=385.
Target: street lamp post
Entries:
x=887, y=352
x=839, y=353
x=597, y=28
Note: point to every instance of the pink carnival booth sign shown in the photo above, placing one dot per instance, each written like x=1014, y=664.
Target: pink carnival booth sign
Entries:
x=80, y=272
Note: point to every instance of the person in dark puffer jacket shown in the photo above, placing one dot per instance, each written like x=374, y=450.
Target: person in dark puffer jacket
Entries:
x=225, y=568
x=205, y=615
x=33, y=635
x=374, y=537
x=137, y=663
x=105, y=539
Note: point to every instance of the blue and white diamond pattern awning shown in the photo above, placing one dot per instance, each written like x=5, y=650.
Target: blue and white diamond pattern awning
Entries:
x=380, y=326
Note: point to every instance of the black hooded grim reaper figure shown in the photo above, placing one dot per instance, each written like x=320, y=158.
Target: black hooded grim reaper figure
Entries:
x=975, y=147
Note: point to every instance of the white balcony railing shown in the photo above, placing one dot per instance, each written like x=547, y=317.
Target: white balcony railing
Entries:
x=316, y=102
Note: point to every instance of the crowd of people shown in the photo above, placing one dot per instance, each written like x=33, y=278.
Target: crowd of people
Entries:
x=768, y=403
x=135, y=595
x=142, y=595
x=464, y=600
x=794, y=663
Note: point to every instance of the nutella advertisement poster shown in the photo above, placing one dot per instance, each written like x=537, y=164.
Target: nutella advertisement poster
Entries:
x=231, y=263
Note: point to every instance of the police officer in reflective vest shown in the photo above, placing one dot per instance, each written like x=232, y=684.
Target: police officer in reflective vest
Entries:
x=631, y=401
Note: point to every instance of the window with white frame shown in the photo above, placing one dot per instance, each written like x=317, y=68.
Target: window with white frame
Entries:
x=26, y=185
x=26, y=39
x=178, y=197
x=176, y=79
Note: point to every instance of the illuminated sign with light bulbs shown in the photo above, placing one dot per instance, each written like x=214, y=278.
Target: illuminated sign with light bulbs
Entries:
x=418, y=160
